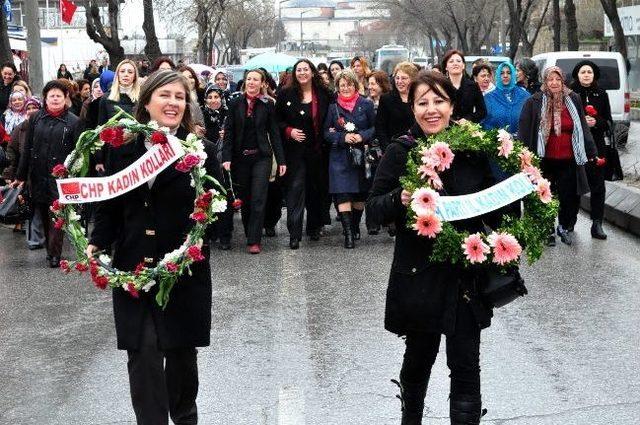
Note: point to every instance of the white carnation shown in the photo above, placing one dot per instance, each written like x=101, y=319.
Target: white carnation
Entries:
x=148, y=286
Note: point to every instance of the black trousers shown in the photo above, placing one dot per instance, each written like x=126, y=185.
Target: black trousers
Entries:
x=564, y=183
x=463, y=356
x=54, y=237
x=273, y=211
x=305, y=190
x=251, y=176
x=595, y=175
x=162, y=383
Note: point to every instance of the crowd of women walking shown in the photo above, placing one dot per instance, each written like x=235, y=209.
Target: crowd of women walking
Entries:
x=326, y=141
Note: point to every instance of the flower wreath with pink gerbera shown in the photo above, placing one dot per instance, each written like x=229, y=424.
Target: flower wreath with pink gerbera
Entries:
x=502, y=247
x=208, y=202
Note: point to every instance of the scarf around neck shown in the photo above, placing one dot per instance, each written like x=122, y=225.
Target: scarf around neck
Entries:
x=348, y=103
x=577, y=136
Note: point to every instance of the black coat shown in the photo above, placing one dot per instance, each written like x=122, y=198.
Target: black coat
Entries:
x=49, y=141
x=268, y=134
x=288, y=107
x=393, y=119
x=599, y=99
x=107, y=108
x=423, y=296
x=5, y=93
x=529, y=126
x=469, y=102
x=142, y=226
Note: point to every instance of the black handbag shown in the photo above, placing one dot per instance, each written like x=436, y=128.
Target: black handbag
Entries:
x=12, y=211
x=500, y=288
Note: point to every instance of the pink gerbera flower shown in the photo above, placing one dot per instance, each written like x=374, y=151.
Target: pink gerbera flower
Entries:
x=444, y=154
x=435, y=182
x=526, y=158
x=424, y=201
x=428, y=225
x=475, y=249
x=544, y=190
x=533, y=172
x=505, y=148
x=426, y=171
x=505, y=248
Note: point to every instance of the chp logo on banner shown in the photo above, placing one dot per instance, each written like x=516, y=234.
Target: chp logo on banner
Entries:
x=147, y=167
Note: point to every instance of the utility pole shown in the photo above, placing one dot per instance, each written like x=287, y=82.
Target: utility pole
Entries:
x=34, y=45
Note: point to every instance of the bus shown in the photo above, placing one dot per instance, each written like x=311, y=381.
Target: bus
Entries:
x=388, y=56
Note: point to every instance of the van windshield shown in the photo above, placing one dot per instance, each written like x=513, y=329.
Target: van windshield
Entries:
x=609, y=74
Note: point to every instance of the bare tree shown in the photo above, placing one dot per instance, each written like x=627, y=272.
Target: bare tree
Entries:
x=520, y=25
x=611, y=10
x=34, y=46
x=573, y=43
x=152, y=48
x=557, y=26
x=108, y=36
x=5, y=45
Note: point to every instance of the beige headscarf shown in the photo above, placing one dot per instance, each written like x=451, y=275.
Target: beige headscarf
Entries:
x=554, y=104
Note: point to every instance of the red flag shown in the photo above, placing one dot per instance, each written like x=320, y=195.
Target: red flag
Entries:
x=67, y=9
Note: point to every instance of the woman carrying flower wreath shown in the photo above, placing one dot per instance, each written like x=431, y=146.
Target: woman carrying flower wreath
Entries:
x=140, y=227
x=426, y=299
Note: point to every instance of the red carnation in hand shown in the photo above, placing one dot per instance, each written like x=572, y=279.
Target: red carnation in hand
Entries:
x=172, y=267
x=132, y=290
x=56, y=206
x=64, y=266
x=81, y=267
x=139, y=269
x=195, y=253
x=100, y=281
x=113, y=136
x=236, y=204
x=59, y=223
x=591, y=111
x=601, y=162
x=158, y=137
x=60, y=171
x=199, y=216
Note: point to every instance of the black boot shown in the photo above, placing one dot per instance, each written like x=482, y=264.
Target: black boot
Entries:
x=347, y=230
x=412, y=401
x=597, y=231
x=357, y=217
x=466, y=411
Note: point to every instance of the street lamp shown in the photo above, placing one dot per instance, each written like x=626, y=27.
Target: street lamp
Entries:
x=301, y=36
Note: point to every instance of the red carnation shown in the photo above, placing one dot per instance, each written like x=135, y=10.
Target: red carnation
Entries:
x=64, y=266
x=199, y=216
x=100, y=281
x=60, y=171
x=236, y=204
x=601, y=162
x=591, y=111
x=81, y=267
x=171, y=267
x=59, y=223
x=204, y=200
x=139, y=269
x=93, y=268
x=195, y=253
x=113, y=136
x=132, y=290
x=56, y=206
x=188, y=162
x=158, y=137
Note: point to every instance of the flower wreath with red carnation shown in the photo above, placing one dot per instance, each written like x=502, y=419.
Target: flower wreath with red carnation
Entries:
x=502, y=248
x=117, y=132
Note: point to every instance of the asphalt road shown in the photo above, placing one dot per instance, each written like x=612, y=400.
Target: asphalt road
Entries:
x=298, y=338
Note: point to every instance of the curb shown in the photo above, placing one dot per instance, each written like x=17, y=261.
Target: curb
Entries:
x=621, y=206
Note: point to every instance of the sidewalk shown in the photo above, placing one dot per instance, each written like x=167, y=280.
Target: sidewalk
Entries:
x=622, y=204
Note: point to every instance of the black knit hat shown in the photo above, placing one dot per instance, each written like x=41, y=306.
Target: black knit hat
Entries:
x=594, y=67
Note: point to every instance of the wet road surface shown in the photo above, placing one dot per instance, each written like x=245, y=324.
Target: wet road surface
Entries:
x=298, y=338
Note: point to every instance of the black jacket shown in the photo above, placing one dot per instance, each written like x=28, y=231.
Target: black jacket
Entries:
x=469, y=102
x=5, y=92
x=107, y=108
x=288, y=107
x=599, y=99
x=268, y=135
x=393, y=119
x=213, y=122
x=422, y=296
x=49, y=141
x=142, y=226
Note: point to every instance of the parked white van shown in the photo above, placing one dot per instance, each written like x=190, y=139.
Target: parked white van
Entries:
x=613, y=76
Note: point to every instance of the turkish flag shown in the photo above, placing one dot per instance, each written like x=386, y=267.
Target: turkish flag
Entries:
x=67, y=9
x=70, y=188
